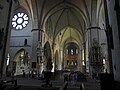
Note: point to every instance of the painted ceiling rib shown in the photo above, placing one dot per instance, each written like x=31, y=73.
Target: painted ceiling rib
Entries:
x=51, y=25
x=68, y=17
x=86, y=9
x=93, y=12
x=50, y=28
x=70, y=36
x=57, y=5
x=81, y=32
x=28, y=6
x=80, y=11
x=66, y=41
x=44, y=18
x=57, y=23
x=100, y=7
x=37, y=10
x=41, y=14
x=63, y=34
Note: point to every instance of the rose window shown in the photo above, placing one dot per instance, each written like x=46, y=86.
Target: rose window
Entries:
x=20, y=20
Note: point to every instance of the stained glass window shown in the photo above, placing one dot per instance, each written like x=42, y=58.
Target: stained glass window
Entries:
x=20, y=20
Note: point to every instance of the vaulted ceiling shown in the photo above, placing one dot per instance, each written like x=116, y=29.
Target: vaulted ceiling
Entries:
x=67, y=20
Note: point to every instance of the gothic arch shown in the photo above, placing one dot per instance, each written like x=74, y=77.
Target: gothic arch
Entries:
x=20, y=62
x=47, y=51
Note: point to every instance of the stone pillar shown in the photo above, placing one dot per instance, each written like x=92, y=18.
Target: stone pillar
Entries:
x=5, y=24
x=114, y=21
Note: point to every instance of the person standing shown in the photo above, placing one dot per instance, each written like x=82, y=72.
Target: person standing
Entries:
x=30, y=73
x=65, y=77
x=23, y=73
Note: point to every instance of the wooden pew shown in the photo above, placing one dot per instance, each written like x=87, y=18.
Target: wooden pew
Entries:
x=4, y=85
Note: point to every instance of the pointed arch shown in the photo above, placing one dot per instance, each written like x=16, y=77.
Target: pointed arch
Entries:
x=47, y=51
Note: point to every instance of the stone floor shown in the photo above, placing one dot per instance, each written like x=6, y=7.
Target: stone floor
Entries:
x=28, y=83
x=90, y=84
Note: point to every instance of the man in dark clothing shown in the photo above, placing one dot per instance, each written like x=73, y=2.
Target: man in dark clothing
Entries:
x=23, y=73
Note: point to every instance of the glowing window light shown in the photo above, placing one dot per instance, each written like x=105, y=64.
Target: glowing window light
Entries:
x=15, y=18
x=20, y=20
x=14, y=24
x=104, y=61
x=83, y=63
x=19, y=27
x=71, y=51
x=20, y=14
x=8, y=59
